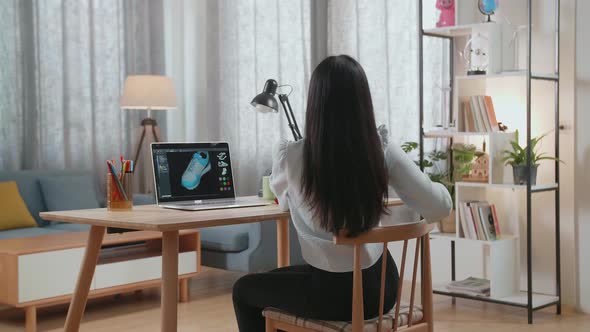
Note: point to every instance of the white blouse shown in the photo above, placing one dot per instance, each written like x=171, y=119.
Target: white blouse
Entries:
x=429, y=199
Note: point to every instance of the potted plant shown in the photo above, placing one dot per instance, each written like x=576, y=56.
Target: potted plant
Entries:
x=517, y=158
x=463, y=155
x=430, y=163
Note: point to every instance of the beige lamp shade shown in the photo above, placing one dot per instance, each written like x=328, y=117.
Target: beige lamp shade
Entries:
x=149, y=92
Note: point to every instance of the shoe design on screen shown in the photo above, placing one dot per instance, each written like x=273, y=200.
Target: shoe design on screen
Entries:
x=199, y=166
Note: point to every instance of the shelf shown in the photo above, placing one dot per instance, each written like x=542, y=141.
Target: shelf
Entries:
x=505, y=74
x=515, y=73
x=545, y=77
x=456, y=31
x=518, y=299
x=454, y=237
x=449, y=133
x=536, y=188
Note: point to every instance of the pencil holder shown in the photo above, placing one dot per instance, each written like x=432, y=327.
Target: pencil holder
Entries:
x=119, y=192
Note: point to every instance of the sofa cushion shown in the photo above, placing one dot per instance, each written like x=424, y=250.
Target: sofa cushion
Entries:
x=28, y=187
x=233, y=238
x=67, y=227
x=69, y=192
x=30, y=190
x=28, y=232
x=13, y=210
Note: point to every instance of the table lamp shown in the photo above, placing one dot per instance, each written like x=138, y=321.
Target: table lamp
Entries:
x=148, y=92
x=266, y=102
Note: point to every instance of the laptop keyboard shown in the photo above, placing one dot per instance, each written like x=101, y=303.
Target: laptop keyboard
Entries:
x=226, y=202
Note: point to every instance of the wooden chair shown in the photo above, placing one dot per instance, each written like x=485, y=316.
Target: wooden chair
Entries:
x=406, y=317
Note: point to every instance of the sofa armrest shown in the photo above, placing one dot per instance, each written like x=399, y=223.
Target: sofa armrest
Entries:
x=144, y=199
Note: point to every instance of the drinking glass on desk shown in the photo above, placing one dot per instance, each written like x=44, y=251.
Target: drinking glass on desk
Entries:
x=120, y=196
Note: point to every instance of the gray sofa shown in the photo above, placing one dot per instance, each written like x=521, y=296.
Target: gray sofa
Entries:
x=247, y=248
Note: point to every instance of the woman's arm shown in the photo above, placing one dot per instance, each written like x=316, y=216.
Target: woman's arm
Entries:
x=279, y=184
x=430, y=199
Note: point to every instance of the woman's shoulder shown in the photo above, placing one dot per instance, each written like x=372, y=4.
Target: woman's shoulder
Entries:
x=393, y=153
x=285, y=149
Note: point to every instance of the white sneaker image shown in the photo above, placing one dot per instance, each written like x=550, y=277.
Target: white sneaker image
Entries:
x=199, y=166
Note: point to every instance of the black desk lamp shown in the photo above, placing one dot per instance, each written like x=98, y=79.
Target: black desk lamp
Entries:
x=266, y=102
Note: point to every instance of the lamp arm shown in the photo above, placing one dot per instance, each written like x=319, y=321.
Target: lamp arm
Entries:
x=290, y=117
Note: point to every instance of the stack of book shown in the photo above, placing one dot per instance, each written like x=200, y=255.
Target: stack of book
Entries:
x=479, y=220
x=478, y=115
x=470, y=286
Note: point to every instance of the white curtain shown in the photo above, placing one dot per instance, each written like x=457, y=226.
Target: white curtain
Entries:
x=383, y=36
x=62, y=63
x=220, y=53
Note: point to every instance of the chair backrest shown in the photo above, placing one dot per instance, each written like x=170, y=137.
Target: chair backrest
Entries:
x=394, y=233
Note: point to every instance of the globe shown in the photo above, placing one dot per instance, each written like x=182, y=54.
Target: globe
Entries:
x=487, y=7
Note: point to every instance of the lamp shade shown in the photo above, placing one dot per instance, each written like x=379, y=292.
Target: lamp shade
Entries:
x=150, y=92
x=266, y=102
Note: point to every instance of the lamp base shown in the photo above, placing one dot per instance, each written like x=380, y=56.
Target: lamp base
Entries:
x=147, y=122
x=476, y=72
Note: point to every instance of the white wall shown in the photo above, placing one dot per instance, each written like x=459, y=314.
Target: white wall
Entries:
x=567, y=68
x=582, y=154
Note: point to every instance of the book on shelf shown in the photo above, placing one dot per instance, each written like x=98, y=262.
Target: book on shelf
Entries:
x=483, y=113
x=485, y=234
x=479, y=220
x=488, y=220
x=466, y=224
x=477, y=114
x=491, y=113
x=481, y=235
x=470, y=286
x=496, y=223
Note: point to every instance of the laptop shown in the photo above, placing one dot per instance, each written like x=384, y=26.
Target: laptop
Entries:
x=196, y=176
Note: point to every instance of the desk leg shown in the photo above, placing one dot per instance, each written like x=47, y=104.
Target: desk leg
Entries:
x=85, y=276
x=169, y=281
x=283, y=242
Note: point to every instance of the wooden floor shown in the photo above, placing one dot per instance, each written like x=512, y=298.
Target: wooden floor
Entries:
x=211, y=310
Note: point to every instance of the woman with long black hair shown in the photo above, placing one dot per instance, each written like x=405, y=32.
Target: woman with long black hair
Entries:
x=336, y=179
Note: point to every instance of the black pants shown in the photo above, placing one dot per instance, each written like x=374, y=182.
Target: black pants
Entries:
x=310, y=292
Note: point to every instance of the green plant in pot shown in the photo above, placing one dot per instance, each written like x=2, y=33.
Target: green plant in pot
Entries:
x=430, y=164
x=517, y=158
x=437, y=173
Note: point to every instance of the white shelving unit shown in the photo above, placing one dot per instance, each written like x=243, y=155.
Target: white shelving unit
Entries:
x=536, y=188
x=518, y=299
x=498, y=261
x=457, y=30
x=503, y=74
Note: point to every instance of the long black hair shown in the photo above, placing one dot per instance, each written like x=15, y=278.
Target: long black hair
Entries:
x=344, y=172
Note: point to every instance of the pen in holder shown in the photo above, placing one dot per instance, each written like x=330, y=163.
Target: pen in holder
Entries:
x=120, y=191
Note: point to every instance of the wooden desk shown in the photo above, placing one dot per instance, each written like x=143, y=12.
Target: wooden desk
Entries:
x=169, y=222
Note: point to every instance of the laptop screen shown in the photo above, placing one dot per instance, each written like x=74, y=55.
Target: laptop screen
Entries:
x=192, y=171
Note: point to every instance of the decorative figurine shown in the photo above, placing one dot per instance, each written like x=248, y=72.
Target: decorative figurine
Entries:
x=479, y=169
x=518, y=37
x=447, y=13
x=475, y=55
